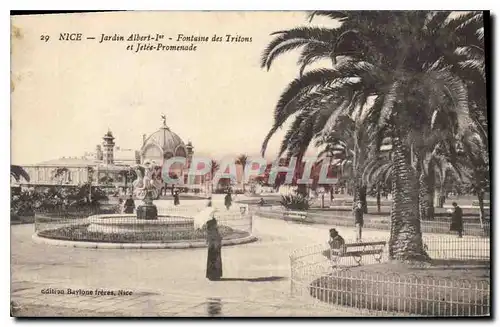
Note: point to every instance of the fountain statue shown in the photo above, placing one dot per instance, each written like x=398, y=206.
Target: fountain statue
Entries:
x=147, y=189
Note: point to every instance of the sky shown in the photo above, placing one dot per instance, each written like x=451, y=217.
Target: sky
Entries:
x=66, y=95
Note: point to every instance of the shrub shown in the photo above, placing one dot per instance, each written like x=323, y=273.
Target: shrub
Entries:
x=295, y=202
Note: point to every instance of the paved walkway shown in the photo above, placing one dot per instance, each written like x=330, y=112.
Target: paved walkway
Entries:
x=167, y=282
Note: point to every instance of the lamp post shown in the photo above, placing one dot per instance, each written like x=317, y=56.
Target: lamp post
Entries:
x=90, y=172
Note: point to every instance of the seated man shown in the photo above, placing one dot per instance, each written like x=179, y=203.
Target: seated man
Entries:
x=336, y=242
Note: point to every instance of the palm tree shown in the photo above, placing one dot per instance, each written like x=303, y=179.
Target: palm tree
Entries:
x=18, y=172
x=398, y=61
x=347, y=142
x=106, y=179
x=127, y=174
x=242, y=160
x=60, y=173
x=470, y=66
x=437, y=167
x=474, y=162
x=214, y=166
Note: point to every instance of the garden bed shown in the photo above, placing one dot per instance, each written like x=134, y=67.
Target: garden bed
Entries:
x=445, y=288
x=80, y=233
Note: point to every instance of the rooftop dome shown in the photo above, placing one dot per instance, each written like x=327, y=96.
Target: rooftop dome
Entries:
x=162, y=144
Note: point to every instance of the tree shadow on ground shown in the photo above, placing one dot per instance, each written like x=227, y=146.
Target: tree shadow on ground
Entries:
x=253, y=280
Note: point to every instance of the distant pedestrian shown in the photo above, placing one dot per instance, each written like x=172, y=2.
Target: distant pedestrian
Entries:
x=228, y=200
x=214, y=257
x=176, y=198
x=457, y=223
x=358, y=220
x=442, y=200
x=209, y=201
x=129, y=205
x=119, y=207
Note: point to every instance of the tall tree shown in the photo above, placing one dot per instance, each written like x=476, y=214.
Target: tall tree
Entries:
x=242, y=160
x=127, y=174
x=347, y=142
x=61, y=173
x=214, y=167
x=474, y=162
x=401, y=60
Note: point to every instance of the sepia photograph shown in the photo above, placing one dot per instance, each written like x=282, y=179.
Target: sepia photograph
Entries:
x=229, y=164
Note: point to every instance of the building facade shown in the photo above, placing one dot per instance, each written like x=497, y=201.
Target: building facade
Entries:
x=104, y=167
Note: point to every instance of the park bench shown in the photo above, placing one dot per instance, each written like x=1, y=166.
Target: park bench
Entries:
x=290, y=215
x=486, y=204
x=358, y=251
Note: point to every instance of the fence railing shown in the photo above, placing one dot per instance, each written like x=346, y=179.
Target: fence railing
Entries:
x=384, y=290
x=173, y=224
x=344, y=218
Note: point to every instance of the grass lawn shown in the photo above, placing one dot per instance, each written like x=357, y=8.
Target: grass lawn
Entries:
x=444, y=288
x=80, y=233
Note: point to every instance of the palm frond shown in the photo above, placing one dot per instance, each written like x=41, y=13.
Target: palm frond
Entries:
x=388, y=105
x=295, y=38
x=447, y=84
x=377, y=169
x=17, y=172
x=340, y=15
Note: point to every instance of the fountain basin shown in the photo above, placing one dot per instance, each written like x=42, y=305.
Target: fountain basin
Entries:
x=128, y=223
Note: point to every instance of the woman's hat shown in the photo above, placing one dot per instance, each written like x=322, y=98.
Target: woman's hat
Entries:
x=212, y=222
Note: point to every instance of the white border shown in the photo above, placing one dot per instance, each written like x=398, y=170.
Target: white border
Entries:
x=199, y=5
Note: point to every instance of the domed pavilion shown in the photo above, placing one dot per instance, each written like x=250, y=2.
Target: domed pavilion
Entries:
x=163, y=145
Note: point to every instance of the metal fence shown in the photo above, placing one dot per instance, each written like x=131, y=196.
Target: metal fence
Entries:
x=386, y=289
x=344, y=218
x=173, y=224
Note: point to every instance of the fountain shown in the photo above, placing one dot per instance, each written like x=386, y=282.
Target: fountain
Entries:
x=146, y=219
x=181, y=226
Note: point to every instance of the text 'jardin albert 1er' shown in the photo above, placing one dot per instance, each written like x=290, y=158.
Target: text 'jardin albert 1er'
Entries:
x=180, y=38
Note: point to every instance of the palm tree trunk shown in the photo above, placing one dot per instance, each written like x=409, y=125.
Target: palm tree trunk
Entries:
x=362, y=198
x=423, y=197
x=405, y=241
x=480, y=198
x=302, y=189
x=431, y=184
x=378, y=198
x=359, y=195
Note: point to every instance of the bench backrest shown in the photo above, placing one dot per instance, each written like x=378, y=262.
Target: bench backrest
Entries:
x=379, y=245
x=299, y=214
x=375, y=243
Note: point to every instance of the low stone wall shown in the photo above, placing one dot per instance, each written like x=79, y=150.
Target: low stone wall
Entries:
x=344, y=218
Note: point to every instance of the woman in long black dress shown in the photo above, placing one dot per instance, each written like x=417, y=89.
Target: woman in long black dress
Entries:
x=457, y=222
x=176, y=198
x=214, y=259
